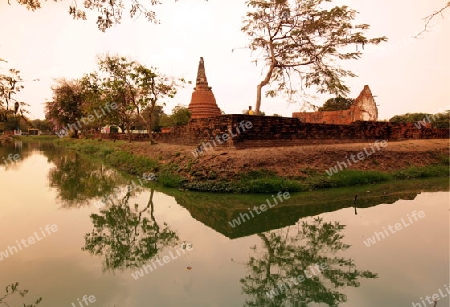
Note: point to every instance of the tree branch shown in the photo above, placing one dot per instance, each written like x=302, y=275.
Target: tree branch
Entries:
x=429, y=18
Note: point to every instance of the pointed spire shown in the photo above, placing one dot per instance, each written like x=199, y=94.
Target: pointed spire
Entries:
x=202, y=82
x=203, y=103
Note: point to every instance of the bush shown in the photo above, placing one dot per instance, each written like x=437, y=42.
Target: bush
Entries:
x=171, y=181
x=423, y=172
x=353, y=177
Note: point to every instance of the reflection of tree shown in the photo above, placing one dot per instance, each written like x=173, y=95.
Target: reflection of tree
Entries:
x=78, y=180
x=12, y=155
x=288, y=257
x=12, y=289
x=127, y=237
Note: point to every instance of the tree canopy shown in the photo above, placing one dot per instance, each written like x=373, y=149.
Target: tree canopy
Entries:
x=109, y=12
x=66, y=108
x=337, y=103
x=438, y=120
x=300, y=43
x=119, y=93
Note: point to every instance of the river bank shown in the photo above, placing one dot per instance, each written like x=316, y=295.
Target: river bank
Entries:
x=268, y=170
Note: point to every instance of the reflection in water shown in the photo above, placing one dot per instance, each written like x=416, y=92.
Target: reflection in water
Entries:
x=215, y=210
x=127, y=237
x=280, y=275
x=12, y=156
x=13, y=289
x=78, y=180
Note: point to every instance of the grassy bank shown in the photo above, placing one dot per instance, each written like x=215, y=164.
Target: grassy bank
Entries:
x=255, y=181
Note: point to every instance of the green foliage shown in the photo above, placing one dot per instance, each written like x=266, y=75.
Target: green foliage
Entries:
x=43, y=125
x=338, y=103
x=441, y=170
x=269, y=185
x=135, y=88
x=408, y=118
x=442, y=120
x=301, y=43
x=171, y=180
x=354, y=177
x=180, y=116
x=127, y=162
x=286, y=254
x=257, y=181
x=215, y=186
x=438, y=120
x=128, y=235
x=257, y=174
x=112, y=155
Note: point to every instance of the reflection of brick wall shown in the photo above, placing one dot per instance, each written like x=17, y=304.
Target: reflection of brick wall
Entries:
x=268, y=131
x=363, y=109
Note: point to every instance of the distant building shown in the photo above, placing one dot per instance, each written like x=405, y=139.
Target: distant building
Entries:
x=363, y=109
x=33, y=131
x=203, y=103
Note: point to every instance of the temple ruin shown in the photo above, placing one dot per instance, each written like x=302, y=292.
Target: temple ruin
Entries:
x=363, y=109
x=203, y=103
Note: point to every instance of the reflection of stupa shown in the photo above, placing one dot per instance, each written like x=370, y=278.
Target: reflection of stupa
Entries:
x=203, y=104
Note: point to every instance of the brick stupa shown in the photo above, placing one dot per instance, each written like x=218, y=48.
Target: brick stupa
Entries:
x=203, y=103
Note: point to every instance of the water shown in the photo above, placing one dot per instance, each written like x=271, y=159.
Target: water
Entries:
x=315, y=244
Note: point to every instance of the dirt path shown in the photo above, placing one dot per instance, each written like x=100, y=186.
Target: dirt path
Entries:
x=298, y=161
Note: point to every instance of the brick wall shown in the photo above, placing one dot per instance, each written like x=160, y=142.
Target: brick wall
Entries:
x=269, y=131
x=363, y=109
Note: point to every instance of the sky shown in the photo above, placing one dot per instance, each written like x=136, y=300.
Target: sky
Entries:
x=405, y=74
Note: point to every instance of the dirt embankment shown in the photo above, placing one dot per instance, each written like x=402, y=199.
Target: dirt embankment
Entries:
x=295, y=162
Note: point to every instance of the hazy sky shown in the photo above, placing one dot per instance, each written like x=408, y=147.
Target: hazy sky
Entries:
x=405, y=74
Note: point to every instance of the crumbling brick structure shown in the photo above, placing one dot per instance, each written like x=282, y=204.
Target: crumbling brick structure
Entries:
x=272, y=131
x=363, y=109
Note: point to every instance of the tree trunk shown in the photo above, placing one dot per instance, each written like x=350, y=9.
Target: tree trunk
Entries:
x=129, y=132
x=260, y=86
x=148, y=123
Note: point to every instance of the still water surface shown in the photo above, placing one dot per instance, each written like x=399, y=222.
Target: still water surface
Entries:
x=194, y=257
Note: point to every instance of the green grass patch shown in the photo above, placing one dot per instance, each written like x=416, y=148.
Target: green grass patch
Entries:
x=353, y=177
x=440, y=170
x=111, y=154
